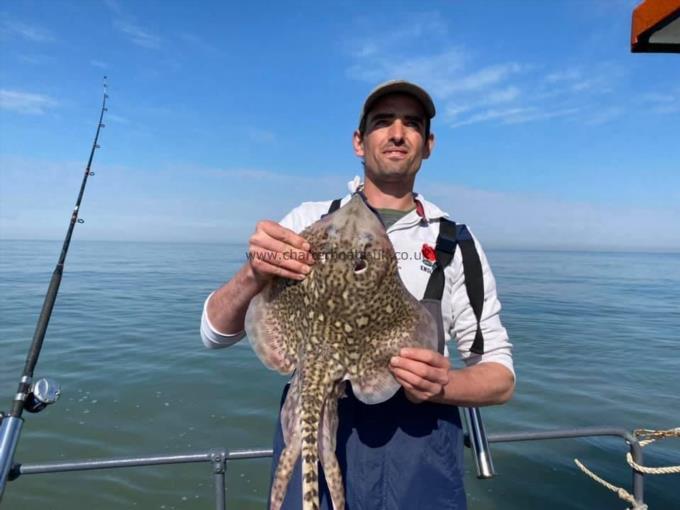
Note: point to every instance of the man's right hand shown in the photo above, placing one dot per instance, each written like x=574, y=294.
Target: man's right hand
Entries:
x=274, y=250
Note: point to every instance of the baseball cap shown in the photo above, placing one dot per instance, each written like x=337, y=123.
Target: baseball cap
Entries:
x=394, y=86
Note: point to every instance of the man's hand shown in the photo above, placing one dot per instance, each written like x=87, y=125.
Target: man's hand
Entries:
x=274, y=250
x=423, y=373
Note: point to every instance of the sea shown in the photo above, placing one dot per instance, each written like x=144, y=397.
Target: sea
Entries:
x=596, y=343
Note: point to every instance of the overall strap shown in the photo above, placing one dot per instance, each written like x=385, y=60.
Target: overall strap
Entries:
x=444, y=250
x=450, y=236
x=335, y=205
x=474, y=282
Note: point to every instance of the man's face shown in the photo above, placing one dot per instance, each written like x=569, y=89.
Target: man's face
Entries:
x=394, y=144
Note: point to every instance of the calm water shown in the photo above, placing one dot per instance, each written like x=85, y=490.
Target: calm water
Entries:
x=596, y=340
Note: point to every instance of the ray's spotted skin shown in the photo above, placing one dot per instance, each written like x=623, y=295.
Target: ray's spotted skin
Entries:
x=343, y=322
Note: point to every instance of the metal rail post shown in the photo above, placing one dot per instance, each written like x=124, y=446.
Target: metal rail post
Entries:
x=478, y=442
x=219, y=462
x=638, y=478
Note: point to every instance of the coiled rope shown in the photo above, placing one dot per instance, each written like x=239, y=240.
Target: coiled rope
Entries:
x=645, y=437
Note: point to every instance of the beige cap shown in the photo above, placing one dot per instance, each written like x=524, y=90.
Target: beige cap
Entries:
x=394, y=86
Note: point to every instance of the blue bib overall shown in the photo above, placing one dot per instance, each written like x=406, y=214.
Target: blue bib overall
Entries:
x=393, y=456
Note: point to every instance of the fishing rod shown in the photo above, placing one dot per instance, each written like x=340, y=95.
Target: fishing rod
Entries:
x=33, y=396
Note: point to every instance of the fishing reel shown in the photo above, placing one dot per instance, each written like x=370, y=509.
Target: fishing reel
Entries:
x=43, y=392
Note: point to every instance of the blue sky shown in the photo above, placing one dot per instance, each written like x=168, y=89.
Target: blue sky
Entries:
x=550, y=133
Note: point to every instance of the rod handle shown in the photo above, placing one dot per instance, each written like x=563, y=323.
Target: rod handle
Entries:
x=10, y=428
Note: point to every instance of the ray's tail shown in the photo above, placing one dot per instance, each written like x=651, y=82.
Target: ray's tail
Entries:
x=309, y=425
x=312, y=403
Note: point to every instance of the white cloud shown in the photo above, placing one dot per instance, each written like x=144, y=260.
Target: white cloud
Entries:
x=112, y=117
x=261, y=136
x=596, y=79
x=133, y=32
x=484, y=78
x=470, y=87
x=178, y=203
x=605, y=115
x=502, y=96
x=454, y=111
x=434, y=71
x=657, y=97
x=33, y=33
x=405, y=51
x=113, y=5
x=492, y=114
x=540, y=221
x=138, y=35
x=568, y=75
x=198, y=42
x=158, y=203
x=35, y=59
x=99, y=64
x=534, y=114
x=428, y=25
x=667, y=109
x=25, y=102
x=663, y=103
x=516, y=115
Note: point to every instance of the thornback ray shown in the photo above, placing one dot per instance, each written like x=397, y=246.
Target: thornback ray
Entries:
x=343, y=322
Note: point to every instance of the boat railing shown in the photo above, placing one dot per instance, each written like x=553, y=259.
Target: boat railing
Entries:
x=219, y=458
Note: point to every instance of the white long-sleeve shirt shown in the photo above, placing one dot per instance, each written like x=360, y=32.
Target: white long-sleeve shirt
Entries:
x=408, y=235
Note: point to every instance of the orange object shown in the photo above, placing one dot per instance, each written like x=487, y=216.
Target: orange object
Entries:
x=656, y=27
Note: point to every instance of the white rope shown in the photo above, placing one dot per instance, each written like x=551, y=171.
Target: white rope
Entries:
x=647, y=437
x=651, y=436
x=620, y=491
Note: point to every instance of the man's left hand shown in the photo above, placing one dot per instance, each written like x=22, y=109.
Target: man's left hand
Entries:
x=423, y=373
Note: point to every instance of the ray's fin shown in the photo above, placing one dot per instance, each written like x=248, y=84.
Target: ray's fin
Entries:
x=375, y=383
x=268, y=330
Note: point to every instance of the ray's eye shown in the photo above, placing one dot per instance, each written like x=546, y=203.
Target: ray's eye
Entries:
x=360, y=264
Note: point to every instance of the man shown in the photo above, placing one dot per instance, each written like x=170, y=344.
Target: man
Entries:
x=407, y=452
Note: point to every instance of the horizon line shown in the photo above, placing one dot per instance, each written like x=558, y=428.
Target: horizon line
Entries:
x=489, y=246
